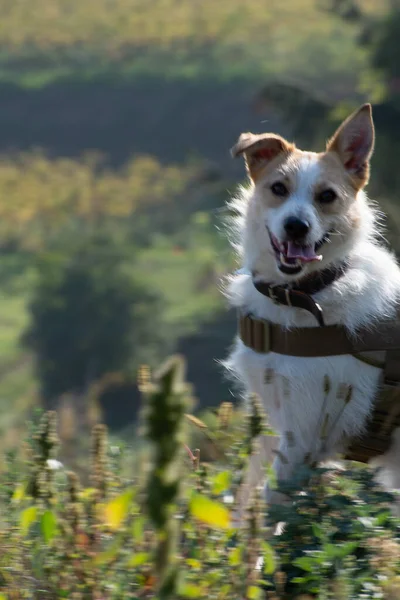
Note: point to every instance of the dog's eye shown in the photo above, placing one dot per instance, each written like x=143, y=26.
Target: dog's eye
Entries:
x=279, y=189
x=326, y=196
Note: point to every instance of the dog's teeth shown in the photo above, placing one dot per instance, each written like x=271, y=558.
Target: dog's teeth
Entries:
x=291, y=265
x=319, y=257
x=283, y=261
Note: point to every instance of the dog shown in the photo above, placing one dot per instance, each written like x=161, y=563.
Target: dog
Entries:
x=305, y=214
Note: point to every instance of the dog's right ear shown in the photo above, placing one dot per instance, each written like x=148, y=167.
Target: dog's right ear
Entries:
x=259, y=150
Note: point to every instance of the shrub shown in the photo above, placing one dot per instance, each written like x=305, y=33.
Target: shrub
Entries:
x=89, y=317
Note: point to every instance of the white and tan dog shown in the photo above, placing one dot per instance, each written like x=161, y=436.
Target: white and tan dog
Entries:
x=303, y=212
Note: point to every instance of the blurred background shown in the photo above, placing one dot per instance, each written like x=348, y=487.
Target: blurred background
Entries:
x=116, y=119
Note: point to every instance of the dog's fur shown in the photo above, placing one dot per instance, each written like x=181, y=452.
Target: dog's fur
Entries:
x=369, y=290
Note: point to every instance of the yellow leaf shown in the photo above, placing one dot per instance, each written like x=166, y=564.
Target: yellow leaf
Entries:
x=210, y=512
x=189, y=590
x=194, y=563
x=87, y=493
x=254, y=593
x=28, y=517
x=18, y=495
x=117, y=509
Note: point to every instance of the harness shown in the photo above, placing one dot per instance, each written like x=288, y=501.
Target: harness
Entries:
x=378, y=346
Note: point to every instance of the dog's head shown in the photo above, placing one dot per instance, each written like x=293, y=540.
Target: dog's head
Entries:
x=306, y=207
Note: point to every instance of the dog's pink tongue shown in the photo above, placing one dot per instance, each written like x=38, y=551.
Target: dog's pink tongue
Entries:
x=304, y=253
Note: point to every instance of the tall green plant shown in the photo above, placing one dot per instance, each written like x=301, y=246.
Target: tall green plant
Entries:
x=167, y=402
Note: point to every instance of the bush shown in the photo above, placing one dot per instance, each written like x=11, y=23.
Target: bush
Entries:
x=89, y=317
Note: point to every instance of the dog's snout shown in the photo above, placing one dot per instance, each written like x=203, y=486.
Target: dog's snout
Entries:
x=296, y=228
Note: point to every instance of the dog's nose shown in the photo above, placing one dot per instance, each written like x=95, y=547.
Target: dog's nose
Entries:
x=296, y=228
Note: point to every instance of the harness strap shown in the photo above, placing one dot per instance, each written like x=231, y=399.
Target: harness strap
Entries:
x=333, y=340
x=377, y=438
x=330, y=340
x=391, y=370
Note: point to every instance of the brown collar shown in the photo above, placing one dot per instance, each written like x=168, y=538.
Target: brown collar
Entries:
x=300, y=294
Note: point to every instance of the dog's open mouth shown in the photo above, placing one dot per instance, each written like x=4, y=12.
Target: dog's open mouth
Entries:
x=292, y=257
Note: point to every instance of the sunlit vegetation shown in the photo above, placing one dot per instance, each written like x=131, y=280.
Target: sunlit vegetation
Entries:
x=42, y=41
x=39, y=196
x=169, y=531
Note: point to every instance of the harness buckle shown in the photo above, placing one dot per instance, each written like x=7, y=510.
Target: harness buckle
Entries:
x=271, y=294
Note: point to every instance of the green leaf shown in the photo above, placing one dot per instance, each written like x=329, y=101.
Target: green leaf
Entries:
x=269, y=559
x=138, y=559
x=48, y=526
x=253, y=593
x=235, y=557
x=107, y=556
x=221, y=482
x=117, y=509
x=317, y=530
x=138, y=528
x=342, y=550
x=28, y=517
x=271, y=476
x=209, y=512
x=189, y=590
x=306, y=563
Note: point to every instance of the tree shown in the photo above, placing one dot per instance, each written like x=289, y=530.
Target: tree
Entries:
x=89, y=317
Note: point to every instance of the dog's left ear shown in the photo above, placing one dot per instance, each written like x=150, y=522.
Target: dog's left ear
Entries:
x=354, y=143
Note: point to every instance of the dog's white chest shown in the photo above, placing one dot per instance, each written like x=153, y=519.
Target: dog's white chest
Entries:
x=303, y=397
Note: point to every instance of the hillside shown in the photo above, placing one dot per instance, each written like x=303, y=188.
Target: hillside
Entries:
x=43, y=40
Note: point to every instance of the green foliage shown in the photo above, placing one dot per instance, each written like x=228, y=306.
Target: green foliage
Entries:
x=171, y=534
x=42, y=41
x=89, y=317
x=144, y=217
x=41, y=198
x=387, y=52
x=338, y=524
